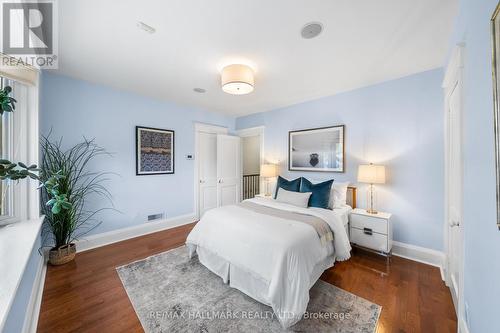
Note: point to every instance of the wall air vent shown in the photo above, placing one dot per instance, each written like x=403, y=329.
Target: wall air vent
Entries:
x=155, y=217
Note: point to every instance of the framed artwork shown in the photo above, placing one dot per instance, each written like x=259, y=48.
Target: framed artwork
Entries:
x=317, y=149
x=154, y=151
x=495, y=41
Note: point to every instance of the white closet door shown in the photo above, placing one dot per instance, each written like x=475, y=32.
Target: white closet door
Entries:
x=207, y=171
x=228, y=170
x=454, y=193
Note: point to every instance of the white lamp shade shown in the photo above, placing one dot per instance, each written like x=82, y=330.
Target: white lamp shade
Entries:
x=237, y=79
x=371, y=174
x=268, y=170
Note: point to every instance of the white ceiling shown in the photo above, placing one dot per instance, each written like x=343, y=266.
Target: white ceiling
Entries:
x=363, y=42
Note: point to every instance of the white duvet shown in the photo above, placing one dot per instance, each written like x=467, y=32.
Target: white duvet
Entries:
x=281, y=252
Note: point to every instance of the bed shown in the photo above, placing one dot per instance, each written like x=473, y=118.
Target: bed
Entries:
x=271, y=251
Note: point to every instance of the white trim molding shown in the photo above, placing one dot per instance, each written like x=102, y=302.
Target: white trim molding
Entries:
x=419, y=254
x=17, y=244
x=209, y=128
x=462, y=326
x=251, y=131
x=455, y=64
x=33, y=310
x=114, y=236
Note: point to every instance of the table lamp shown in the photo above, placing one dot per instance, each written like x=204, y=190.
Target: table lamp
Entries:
x=371, y=174
x=268, y=171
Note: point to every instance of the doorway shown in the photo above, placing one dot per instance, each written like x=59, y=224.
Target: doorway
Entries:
x=252, y=140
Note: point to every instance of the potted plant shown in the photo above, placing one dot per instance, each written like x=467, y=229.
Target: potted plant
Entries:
x=68, y=184
x=65, y=183
x=10, y=170
x=7, y=103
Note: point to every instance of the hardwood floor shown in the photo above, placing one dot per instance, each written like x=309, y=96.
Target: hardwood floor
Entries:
x=87, y=295
x=412, y=295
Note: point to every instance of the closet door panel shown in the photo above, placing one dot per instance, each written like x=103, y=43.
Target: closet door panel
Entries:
x=229, y=173
x=207, y=171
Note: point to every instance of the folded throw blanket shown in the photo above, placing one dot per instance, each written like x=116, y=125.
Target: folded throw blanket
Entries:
x=322, y=228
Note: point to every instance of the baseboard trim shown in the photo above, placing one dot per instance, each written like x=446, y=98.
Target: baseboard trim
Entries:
x=33, y=310
x=419, y=254
x=462, y=326
x=114, y=236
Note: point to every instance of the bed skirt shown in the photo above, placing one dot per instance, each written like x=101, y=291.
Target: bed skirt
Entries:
x=244, y=280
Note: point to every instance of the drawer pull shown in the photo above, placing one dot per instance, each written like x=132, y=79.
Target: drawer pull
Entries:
x=368, y=231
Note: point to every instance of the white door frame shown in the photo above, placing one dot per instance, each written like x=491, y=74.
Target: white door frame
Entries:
x=253, y=131
x=205, y=128
x=453, y=82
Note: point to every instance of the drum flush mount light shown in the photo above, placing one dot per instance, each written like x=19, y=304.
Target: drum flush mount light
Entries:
x=237, y=79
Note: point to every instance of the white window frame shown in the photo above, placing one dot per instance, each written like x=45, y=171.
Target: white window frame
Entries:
x=18, y=239
x=20, y=143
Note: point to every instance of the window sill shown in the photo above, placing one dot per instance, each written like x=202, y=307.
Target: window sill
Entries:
x=16, y=245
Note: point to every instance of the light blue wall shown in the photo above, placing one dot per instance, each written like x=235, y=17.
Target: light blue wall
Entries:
x=397, y=123
x=73, y=109
x=15, y=318
x=482, y=238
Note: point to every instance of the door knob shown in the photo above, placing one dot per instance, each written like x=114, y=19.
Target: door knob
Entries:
x=454, y=223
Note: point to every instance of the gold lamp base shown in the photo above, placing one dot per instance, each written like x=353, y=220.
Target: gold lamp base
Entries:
x=371, y=210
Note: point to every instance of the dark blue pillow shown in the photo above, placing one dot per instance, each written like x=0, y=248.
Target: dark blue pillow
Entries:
x=289, y=185
x=320, y=192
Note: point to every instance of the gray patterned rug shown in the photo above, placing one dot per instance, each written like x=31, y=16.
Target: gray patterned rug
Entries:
x=171, y=293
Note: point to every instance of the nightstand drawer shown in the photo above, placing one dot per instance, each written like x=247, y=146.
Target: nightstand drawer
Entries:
x=376, y=224
x=374, y=241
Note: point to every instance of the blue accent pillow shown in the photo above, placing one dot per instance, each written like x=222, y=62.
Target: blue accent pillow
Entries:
x=320, y=192
x=289, y=185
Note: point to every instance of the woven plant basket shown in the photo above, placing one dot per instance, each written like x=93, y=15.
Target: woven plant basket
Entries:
x=62, y=255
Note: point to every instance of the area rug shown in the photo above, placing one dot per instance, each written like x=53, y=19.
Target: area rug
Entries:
x=172, y=293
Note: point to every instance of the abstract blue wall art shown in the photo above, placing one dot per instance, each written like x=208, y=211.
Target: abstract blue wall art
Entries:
x=154, y=151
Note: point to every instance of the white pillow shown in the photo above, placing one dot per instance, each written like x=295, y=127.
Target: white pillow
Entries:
x=299, y=199
x=338, y=195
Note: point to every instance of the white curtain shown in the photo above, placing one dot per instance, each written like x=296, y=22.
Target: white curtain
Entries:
x=20, y=144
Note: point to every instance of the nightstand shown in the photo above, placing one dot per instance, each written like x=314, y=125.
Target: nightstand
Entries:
x=262, y=195
x=371, y=231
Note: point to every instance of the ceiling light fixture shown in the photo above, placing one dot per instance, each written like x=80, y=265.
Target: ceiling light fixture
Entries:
x=311, y=30
x=237, y=79
x=146, y=27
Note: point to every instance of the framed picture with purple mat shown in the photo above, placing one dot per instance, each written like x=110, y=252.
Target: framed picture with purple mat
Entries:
x=317, y=149
x=154, y=151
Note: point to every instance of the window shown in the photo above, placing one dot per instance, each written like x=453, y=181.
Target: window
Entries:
x=19, y=142
x=6, y=211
